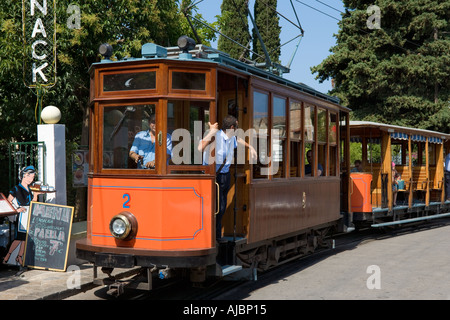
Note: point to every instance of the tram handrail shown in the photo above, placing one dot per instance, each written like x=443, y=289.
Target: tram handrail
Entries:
x=218, y=199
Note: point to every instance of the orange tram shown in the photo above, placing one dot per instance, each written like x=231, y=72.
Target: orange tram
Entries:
x=163, y=218
x=401, y=177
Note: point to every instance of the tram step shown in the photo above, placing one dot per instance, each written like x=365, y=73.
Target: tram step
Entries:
x=237, y=240
x=226, y=270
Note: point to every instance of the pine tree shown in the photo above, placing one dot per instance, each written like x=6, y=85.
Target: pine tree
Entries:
x=233, y=23
x=395, y=72
x=267, y=21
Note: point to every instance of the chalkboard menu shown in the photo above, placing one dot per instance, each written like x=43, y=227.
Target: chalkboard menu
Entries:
x=48, y=236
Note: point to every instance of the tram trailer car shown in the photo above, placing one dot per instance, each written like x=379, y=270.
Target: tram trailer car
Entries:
x=163, y=218
x=414, y=191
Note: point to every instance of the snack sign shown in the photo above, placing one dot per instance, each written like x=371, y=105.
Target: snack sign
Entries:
x=39, y=36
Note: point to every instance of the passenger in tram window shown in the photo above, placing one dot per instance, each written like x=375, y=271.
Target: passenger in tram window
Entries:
x=144, y=145
x=395, y=178
x=225, y=143
x=447, y=176
x=308, y=167
x=358, y=166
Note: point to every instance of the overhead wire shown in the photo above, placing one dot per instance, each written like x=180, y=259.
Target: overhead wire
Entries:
x=320, y=11
x=298, y=26
x=362, y=30
x=246, y=48
x=331, y=7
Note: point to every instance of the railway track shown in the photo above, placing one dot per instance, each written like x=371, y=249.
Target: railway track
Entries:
x=220, y=289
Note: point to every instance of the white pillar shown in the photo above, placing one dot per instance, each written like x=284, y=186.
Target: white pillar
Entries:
x=54, y=136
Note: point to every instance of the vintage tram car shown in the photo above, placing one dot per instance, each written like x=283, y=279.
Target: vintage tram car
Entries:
x=163, y=218
x=402, y=180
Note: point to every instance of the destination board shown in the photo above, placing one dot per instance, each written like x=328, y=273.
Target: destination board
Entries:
x=48, y=236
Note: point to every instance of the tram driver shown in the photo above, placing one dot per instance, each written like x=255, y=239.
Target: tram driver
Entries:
x=144, y=145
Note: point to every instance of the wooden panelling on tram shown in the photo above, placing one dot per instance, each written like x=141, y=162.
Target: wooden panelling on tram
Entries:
x=285, y=207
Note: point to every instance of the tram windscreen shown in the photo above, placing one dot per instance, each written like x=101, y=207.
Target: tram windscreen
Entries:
x=187, y=121
x=188, y=81
x=122, y=125
x=129, y=81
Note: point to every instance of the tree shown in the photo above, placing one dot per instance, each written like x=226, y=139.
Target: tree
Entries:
x=233, y=23
x=267, y=21
x=202, y=30
x=396, y=72
x=125, y=24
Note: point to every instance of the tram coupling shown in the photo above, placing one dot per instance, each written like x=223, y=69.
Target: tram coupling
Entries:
x=166, y=273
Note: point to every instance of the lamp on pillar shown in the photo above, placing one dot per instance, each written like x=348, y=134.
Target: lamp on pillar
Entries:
x=53, y=135
x=51, y=115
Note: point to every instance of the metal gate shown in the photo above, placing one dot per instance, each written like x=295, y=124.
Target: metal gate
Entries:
x=23, y=154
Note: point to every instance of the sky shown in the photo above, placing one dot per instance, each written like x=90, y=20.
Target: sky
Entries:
x=319, y=20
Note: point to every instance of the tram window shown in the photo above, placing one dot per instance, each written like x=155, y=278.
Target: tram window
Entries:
x=332, y=128
x=422, y=153
x=295, y=120
x=186, y=123
x=432, y=150
x=120, y=126
x=419, y=156
x=332, y=161
x=309, y=123
x=279, y=116
x=279, y=154
x=294, y=162
x=322, y=157
x=309, y=160
x=129, y=81
x=332, y=140
x=260, y=111
x=92, y=138
x=279, y=145
x=261, y=126
x=373, y=151
x=418, y=153
x=322, y=125
x=355, y=152
x=415, y=154
x=188, y=81
x=396, y=153
x=295, y=127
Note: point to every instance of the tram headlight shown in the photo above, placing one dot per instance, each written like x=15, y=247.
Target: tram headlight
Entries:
x=121, y=226
x=106, y=50
x=185, y=43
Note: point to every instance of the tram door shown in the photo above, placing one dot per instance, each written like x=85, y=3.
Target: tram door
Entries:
x=345, y=163
x=233, y=100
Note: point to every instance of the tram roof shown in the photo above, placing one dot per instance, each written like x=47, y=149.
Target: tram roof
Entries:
x=207, y=54
x=399, y=129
